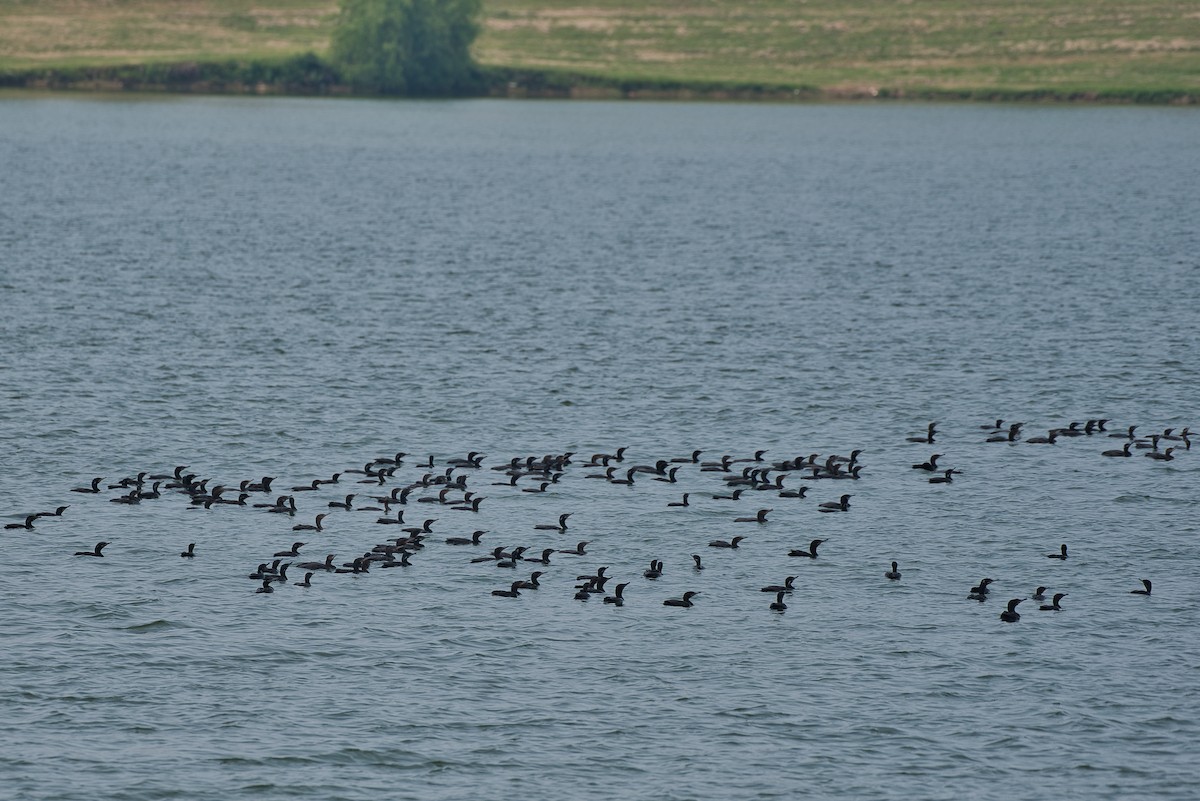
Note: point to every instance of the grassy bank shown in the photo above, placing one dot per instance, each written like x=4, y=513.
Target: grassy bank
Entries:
x=989, y=49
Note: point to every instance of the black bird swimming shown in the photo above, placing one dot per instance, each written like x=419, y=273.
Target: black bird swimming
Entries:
x=359, y=565
x=733, y=543
x=785, y=587
x=95, y=488
x=562, y=524
x=1013, y=431
x=469, y=506
x=307, y=581
x=685, y=601
x=947, y=477
x=929, y=466
x=327, y=565
x=281, y=576
x=1146, y=591
x=1142, y=445
x=496, y=556
x=99, y=547
x=1124, y=451
x=1039, y=594
x=669, y=478
x=618, y=597
x=627, y=481
x=28, y=524
x=980, y=591
x=190, y=553
x=578, y=551
x=56, y=513
x=733, y=496
x=655, y=571
x=811, y=553
x=472, y=540
x=894, y=573
x=683, y=502
x=930, y=430
x=597, y=576
x=391, y=561
x=533, y=583
x=1011, y=615
x=1061, y=555
x=696, y=559
x=316, y=526
x=543, y=559
x=1053, y=605
x=340, y=505
x=759, y=517
x=266, y=586
x=841, y=505
x=1182, y=436
x=424, y=528
x=779, y=605
x=293, y=551
x=510, y=559
x=285, y=504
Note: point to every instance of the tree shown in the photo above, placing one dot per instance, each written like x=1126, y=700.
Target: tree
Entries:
x=407, y=47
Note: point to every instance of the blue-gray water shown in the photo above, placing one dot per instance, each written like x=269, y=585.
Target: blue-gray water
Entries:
x=293, y=287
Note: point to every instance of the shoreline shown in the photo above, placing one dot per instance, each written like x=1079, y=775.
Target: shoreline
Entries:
x=308, y=76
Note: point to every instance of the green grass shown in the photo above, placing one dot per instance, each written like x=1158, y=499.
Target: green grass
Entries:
x=1146, y=50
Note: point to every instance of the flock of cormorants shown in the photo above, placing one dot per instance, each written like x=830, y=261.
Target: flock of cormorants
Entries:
x=444, y=486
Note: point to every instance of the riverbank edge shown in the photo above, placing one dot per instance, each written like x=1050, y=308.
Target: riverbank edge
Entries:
x=309, y=75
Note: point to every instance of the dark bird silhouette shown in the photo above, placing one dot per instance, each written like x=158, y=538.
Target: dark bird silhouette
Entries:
x=685, y=601
x=316, y=526
x=811, y=553
x=841, y=505
x=785, y=587
x=474, y=539
x=1053, y=605
x=618, y=596
x=562, y=524
x=1011, y=615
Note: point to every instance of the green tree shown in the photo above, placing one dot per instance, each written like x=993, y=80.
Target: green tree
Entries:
x=407, y=47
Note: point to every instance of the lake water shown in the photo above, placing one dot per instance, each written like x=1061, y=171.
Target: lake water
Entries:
x=292, y=287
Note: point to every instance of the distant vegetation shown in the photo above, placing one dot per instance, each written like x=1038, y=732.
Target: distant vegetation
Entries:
x=1131, y=50
x=407, y=47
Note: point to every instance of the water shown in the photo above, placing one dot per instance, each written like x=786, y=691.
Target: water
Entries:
x=292, y=287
